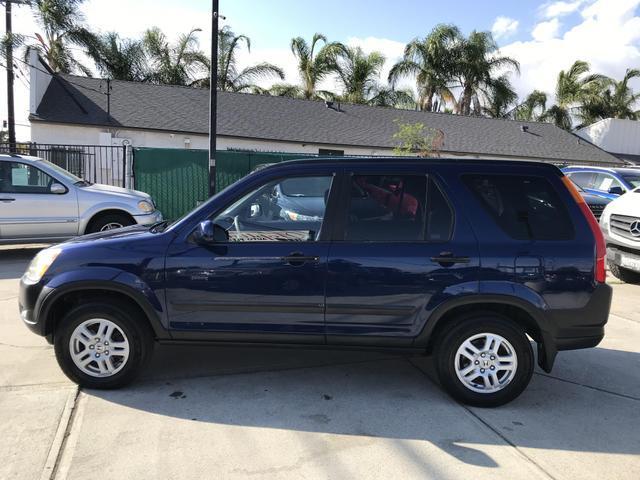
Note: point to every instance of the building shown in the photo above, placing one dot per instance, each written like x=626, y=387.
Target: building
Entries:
x=67, y=109
x=619, y=137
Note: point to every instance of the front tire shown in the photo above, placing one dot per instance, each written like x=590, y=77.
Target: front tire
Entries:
x=484, y=360
x=627, y=276
x=109, y=221
x=100, y=345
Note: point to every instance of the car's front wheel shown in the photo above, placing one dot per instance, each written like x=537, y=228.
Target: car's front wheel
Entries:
x=484, y=360
x=100, y=345
x=109, y=221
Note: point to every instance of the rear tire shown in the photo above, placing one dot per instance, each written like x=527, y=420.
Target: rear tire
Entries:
x=109, y=221
x=627, y=276
x=102, y=346
x=479, y=373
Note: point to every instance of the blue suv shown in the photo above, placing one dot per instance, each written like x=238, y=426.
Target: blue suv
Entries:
x=465, y=260
x=605, y=182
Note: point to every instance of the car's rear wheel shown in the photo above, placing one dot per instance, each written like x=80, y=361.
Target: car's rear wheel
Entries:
x=484, y=360
x=627, y=276
x=109, y=221
x=101, y=345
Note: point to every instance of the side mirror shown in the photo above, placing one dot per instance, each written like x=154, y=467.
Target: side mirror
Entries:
x=57, y=188
x=208, y=233
x=616, y=191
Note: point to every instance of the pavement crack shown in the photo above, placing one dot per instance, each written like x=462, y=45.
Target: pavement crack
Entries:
x=60, y=440
x=598, y=389
x=30, y=347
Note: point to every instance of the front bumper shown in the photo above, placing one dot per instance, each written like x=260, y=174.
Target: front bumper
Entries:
x=148, y=218
x=623, y=256
x=28, y=303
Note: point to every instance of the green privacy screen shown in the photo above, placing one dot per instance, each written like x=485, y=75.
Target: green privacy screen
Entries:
x=177, y=179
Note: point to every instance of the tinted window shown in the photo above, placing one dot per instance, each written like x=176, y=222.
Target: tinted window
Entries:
x=582, y=179
x=397, y=208
x=21, y=178
x=289, y=209
x=525, y=207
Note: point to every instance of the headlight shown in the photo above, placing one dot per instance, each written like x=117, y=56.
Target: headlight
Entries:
x=40, y=264
x=145, y=206
x=297, y=217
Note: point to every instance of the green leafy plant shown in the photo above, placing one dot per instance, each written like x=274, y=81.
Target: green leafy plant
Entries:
x=417, y=139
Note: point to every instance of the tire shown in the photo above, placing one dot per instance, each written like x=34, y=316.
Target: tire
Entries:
x=103, y=222
x=509, y=384
x=627, y=276
x=126, y=329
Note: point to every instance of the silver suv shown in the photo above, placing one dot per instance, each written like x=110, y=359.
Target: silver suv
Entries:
x=41, y=202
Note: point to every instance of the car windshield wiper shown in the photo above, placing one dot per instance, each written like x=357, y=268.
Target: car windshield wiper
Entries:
x=83, y=183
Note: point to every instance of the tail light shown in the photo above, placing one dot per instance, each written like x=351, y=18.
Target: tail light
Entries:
x=601, y=249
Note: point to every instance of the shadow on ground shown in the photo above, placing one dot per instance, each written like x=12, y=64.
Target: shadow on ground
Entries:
x=372, y=395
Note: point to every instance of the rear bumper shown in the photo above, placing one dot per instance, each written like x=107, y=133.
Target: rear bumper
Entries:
x=574, y=329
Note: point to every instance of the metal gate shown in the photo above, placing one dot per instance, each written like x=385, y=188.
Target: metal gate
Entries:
x=96, y=163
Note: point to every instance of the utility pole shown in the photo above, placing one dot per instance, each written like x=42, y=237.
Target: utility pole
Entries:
x=213, y=97
x=9, y=53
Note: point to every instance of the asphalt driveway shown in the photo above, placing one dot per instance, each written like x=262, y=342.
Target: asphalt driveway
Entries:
x=203, y=412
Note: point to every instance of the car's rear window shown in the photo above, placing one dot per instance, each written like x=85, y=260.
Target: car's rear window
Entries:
x=525, y=207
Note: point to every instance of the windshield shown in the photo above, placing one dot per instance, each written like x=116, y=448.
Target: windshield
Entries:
x=633, y=180
x=61, y=171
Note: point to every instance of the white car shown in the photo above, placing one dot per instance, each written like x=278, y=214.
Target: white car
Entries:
x=43, y=203
x=620, y=223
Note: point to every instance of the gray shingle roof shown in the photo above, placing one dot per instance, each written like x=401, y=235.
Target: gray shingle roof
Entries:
x=183, y=109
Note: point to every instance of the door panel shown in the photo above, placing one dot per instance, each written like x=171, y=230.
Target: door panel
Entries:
x=28, y=210
x=409, y=256
x=269, y=278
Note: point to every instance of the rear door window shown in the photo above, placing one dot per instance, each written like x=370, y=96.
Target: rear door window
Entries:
x=397, y=208
x=525, y=207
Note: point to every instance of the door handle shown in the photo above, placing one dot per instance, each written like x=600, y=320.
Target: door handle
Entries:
x=297, y=259
x=7, y=200
x=446, y=259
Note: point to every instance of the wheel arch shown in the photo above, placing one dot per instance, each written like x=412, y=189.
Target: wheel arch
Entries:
x=62, y=299
x=101, y=213
x=527, y=316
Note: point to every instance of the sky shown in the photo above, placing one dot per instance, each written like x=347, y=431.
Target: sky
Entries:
x=544, y=36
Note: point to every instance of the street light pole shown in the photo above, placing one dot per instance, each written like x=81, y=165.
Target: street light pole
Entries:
x=9, y=54
x=213, y=98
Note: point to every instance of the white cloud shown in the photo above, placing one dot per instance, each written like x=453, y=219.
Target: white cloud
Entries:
x=504, y=27
x=544, y=31
x=561, y=8
x=608, y=37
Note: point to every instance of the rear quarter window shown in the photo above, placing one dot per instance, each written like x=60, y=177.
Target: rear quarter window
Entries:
x=524, y=207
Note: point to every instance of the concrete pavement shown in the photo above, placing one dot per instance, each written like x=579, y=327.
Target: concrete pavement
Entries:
x=202, y=412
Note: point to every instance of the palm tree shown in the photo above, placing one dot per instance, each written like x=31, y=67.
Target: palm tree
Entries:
x=533, y=108
x=500, y=96
x=314, y=64
x=180, y=64
x=62, y=28
x=573, y=87
x=229, y=78
x=117, y=58
x=429, y=61
x=611, y=99
x=476, y=61
x=357, y=73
